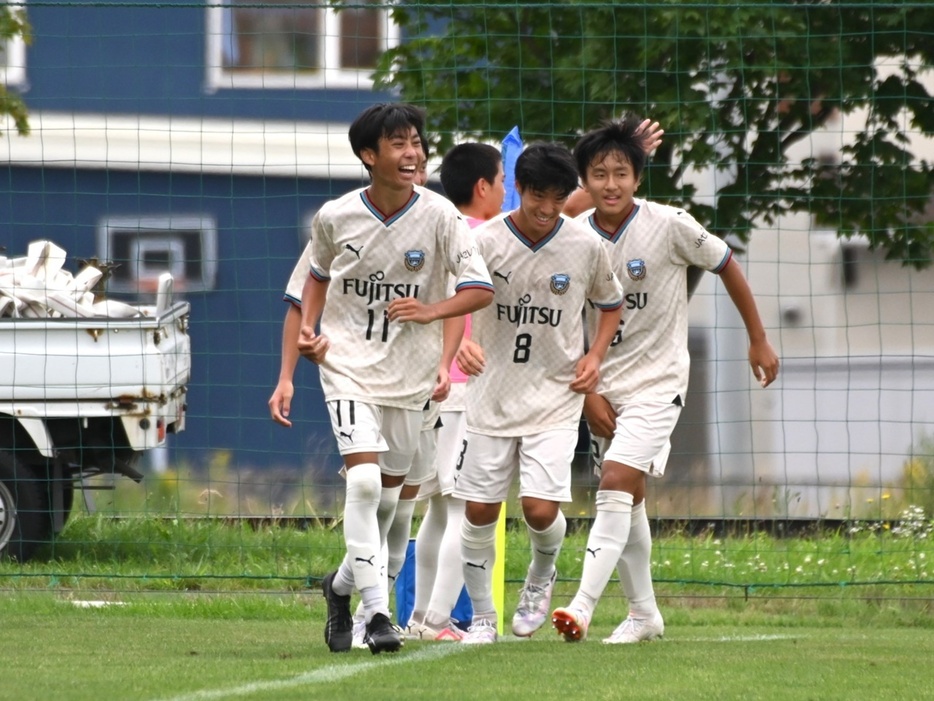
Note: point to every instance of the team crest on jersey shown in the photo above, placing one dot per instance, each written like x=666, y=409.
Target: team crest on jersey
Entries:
x=636, y=268
x=414, y=260
x=560, y=283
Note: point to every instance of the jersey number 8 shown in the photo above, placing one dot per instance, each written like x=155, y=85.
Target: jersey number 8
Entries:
x=523, y=348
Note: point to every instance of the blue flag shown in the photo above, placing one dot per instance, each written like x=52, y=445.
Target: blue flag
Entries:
x=512, y=147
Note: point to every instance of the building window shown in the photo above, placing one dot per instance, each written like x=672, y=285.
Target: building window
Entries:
x=294, y=45
x=12, y=57
x=142, y=248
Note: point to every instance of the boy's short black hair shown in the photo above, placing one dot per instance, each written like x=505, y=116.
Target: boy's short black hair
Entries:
x=545, y=167
x=463, y=166
x=612, y=136
x=382, y=121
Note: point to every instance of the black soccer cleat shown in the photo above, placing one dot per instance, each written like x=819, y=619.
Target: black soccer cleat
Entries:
x=338, y=630
x=382, y=635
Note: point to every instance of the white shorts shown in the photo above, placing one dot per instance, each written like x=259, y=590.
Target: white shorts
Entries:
x=370, y=428
x=642, y=438
x=450, y=445
x=490, y=463
x=423, y=464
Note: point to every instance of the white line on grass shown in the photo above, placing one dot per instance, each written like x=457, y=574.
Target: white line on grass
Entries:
x=740, y=638
x=324, y=675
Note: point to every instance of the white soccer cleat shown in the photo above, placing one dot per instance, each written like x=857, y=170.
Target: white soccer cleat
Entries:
x=481, y=632
x=423, y=631
x=570, y=623
x=533, y=608
x=637, y=630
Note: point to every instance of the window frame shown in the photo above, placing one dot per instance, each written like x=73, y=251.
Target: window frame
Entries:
x=13, y=71
x=163, y=225
x=331, y=75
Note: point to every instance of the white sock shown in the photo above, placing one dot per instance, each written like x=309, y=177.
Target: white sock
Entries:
x=361, y=530
x=344, y=582
x=449, y=580
x=478, y=553
x=546, y=545
x=635, y=565
x=397, y=541
x=609, y=533
x=385, y=515
x=427, y=545
x=388, y=502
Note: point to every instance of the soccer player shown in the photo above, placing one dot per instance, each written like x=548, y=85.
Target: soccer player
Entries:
x=422, y=464
x=580, y=200
x=280, y=403
x=379, y=270
x=645, y=374
x=473, y=179
x=528, y=374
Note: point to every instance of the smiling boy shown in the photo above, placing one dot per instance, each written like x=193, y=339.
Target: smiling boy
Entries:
x=529, y=373
x=642, y=389
x=380, y=265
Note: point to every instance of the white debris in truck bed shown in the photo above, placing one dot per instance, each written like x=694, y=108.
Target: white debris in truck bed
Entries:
x=35, y=286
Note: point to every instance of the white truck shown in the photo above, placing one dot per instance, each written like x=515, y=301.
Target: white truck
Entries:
x=86, y=387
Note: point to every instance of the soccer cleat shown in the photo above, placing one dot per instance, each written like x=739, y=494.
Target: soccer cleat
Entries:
x=570, y=623
x=382, y=635
x=359, y=632
x=423, y=631
x=637, y=630
x=481, y=632
x=338, y=630
x=534, y=604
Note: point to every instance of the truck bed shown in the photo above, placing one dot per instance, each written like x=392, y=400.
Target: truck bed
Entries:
x=101, y=359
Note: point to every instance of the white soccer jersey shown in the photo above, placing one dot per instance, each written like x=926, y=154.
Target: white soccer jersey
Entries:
x=371, y=258
x=650, y=252
x=293, y=290
x=532, y=335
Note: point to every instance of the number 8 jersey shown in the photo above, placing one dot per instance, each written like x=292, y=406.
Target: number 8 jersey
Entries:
x=532, y=334
x=369, y=259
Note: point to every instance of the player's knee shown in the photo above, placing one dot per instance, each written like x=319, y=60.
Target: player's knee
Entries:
x=478, y=514
x=539, y=514
x=618, y=477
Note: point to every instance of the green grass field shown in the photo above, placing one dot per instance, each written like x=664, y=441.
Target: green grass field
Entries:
x=251, y=646
x=205, y=610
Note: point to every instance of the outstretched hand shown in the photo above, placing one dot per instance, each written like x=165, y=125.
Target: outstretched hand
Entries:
x=652, y=133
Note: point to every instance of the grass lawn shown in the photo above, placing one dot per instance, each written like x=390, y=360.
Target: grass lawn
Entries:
x=206, y=610
x=261, y=646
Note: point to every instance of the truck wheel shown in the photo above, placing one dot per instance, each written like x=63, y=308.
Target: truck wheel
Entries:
x=24, y=510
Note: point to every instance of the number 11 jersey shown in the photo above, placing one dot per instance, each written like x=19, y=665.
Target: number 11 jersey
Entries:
x=369, y=259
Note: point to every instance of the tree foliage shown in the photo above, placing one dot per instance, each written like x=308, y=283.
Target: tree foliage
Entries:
x=735, y=85
x=13, y=24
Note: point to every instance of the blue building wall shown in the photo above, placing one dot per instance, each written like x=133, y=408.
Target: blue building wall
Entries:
x=236, y=328
x=103, y=58
x=91, y=56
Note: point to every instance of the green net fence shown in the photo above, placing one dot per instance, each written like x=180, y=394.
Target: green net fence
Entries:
x=199, y=139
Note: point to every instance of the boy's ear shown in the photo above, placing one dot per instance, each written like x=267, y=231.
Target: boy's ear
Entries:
x=480, y=188
x=368, y=156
